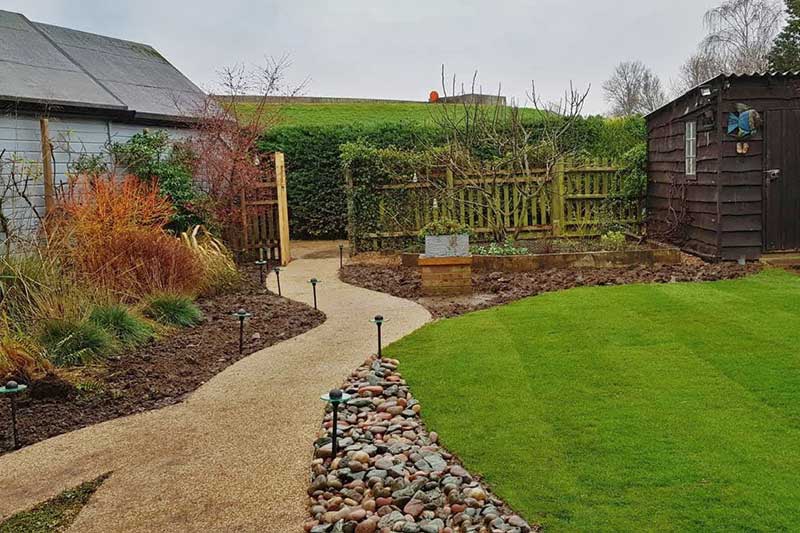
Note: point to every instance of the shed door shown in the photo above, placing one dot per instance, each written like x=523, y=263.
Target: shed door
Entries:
x=782, y=180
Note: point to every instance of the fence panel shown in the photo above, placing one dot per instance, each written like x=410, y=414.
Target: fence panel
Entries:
x=569, y=201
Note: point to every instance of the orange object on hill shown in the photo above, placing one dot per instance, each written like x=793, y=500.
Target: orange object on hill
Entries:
x=433, y=97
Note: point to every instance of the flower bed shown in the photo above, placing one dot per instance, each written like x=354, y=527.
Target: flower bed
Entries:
x=497, y=287
x=657, y=254
x=391, y=474
x=161, y=372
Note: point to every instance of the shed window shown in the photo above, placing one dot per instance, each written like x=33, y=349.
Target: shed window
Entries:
x=691, y=148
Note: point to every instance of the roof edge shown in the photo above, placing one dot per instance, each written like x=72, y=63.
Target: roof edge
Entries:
x=726, y=76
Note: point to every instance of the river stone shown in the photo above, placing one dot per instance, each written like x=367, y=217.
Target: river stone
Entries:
x=390, y=519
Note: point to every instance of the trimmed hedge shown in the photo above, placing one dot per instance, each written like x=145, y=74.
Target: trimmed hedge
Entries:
x=315, y=179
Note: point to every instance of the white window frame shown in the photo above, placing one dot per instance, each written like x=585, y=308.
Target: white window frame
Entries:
x=691, y=148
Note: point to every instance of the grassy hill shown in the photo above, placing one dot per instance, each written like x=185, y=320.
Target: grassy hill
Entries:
x=350, y=113
x=331, y=114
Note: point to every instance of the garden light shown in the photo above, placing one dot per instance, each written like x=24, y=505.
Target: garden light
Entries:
x=378, y=321
x=12, y=388
x=335, y=397
x=241, y=314
x=341, y=255
x=314, y=282
x=261, y=264
x=277, y=271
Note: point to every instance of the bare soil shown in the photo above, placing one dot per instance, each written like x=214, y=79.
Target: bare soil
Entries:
x=497, y=288
x=162, y=372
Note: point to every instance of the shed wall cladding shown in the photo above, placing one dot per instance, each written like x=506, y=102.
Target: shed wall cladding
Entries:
x=742, y=175
x=71, y=136
x=668, y=182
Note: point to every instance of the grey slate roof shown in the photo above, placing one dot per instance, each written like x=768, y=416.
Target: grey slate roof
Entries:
x=40, y=63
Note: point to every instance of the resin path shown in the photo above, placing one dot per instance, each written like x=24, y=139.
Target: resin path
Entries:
x=235, y=455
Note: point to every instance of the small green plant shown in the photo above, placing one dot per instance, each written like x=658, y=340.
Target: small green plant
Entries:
x=89, y=387
x=173, y=310
x=505, y=248
x=89, y=165
x=74, y=342
x=127, y=328
x=443, y=226
x=613, y=240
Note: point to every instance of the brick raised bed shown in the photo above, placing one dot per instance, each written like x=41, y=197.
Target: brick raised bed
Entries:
x=663, y=255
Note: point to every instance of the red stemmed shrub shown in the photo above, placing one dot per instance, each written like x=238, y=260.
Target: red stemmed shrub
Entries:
x=113, y=236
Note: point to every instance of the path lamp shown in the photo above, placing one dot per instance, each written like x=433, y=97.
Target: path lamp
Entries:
x=261, y=263
x=335, y=397
x=378, y=321
x=341, y=255
x=241, y=314
x=277, y=271
x=12, y=389
x=314, y=282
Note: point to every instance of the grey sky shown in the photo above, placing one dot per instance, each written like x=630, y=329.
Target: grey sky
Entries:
x=395, y=49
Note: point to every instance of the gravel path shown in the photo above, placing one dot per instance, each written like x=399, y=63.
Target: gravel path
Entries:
x=234, y=456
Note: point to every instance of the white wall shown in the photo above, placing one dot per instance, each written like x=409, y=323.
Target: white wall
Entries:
x=71, y=137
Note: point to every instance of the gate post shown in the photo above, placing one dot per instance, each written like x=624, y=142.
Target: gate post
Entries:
x=283, y=208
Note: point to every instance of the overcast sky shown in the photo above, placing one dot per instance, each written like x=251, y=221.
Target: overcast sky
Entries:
x=395, y=49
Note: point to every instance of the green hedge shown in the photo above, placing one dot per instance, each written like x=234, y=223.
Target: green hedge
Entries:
x=315, y=181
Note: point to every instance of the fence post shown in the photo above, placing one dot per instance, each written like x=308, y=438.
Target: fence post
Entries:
x=557, y=199
x=348, y=183
x=283, y=208
x=451, y=204
x=47, y=167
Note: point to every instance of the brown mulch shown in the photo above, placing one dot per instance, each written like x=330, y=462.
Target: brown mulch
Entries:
x=497, y=288
x=164, y=371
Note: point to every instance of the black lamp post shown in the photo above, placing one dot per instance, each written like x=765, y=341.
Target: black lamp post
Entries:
x=261, y=265
x=378, y=321
x=314, y=282
x=241, y=314
x=341, y=255
x=335, y=397
x=277, y=271
x=12, y=388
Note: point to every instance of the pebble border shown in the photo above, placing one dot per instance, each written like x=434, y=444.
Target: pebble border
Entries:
x=391, y=474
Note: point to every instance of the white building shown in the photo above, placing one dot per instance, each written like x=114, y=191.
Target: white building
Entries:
x=94, y=91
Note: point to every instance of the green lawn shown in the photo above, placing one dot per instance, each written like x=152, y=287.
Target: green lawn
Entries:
x=646, y=407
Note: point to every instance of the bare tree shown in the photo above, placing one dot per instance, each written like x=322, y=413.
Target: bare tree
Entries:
x=20, y=216
x=491, y=146
x=741, y=34
x=227, y=129
x=698, y=69
x=633, y=89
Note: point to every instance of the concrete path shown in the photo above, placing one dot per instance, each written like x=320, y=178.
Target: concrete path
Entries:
x=235, y=455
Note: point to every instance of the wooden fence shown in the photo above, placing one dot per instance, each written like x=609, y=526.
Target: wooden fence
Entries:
x=572, y=201
x=264, y=215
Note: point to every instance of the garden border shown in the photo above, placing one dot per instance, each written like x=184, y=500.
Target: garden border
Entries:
x=665, y=255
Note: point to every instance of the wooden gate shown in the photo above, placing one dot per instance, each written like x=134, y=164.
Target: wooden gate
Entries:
x=264, y=228
x=782, y=181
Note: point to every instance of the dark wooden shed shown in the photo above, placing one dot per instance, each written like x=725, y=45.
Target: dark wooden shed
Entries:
x=726, y=193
